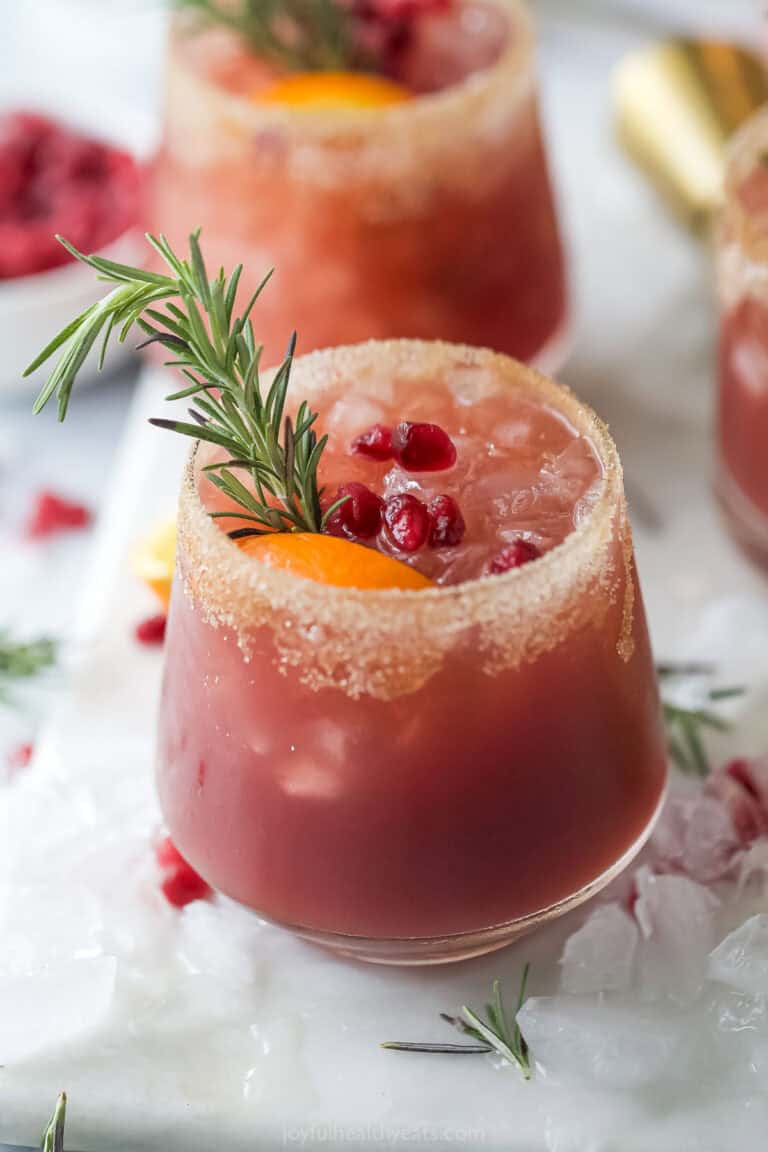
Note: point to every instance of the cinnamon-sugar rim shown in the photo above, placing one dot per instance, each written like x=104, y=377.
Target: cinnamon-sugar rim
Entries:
x=514, y=62
x=204, y=541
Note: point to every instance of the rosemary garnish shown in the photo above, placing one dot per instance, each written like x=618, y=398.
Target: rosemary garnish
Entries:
x=53, y=1137
x=300, y=35
x=22, y=661
x=685, y=726
x=494, y=1034
x=220, y=363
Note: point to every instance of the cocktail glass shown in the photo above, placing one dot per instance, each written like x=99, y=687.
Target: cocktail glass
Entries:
x=419, y=776
x=742, y=481
x=432, y=218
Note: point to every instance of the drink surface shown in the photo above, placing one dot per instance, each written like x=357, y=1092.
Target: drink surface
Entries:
x=522, y=471
x=400, y=767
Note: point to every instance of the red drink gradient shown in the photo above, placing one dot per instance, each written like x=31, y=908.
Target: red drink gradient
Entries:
x=743, y=395
x=418, y=776
x=433, y=218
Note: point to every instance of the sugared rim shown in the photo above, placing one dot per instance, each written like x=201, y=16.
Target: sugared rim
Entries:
x=513, y=64
x=749, y=229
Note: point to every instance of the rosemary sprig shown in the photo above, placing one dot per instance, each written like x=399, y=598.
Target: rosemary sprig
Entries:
x=20, y=661
x=686, y=726
x=494, y=1034
x=217, y=354
x=301, y=35
x=53, y=1137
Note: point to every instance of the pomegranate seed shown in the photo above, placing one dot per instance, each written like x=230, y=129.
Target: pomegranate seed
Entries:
x=151, y=631
x=375, y=442
x=52, y=514
x=359, y=515
x=423, y=447
x=448, y=525
x=407, y=521
x=180, y=884
x=20, y=757
x=514, y=555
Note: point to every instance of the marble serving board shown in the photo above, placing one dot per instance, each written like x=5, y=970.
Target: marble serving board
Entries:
x=208, y=1029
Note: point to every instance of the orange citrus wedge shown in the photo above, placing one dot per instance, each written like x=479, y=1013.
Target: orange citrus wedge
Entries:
x=334, y=90
x=154, y=559
x=332, y=560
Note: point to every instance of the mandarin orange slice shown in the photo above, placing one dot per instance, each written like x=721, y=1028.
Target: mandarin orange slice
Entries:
x=334, y=90
x=332, y=560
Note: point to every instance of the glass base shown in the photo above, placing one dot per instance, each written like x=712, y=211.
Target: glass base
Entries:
x=464, y=945
x=552, y=355
x=747, y=524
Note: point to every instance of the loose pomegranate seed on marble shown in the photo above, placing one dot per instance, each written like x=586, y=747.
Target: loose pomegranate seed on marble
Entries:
x=375, y=442
x=51, y=513
x=448, y=525
x=180, y=884
x=359, y=515
x=407, y=521
x=19, y=757
x=514, y=555
x=151, y=631
x=423, y=447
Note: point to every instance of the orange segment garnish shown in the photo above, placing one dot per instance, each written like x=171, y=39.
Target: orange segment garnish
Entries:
x=332, y=560
x=334, y=90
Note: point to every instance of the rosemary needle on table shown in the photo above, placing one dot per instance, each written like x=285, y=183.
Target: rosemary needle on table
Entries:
x=21, y=661
x=492, y=1034
x=53, y=1137
x=686, y=726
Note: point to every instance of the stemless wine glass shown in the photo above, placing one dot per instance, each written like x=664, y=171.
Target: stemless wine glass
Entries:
x=413, y=776
x=743, y=285
x=431, y=218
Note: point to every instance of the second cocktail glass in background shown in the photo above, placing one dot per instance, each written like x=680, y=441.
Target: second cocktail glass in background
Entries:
x=743, y=389
x=433, y=217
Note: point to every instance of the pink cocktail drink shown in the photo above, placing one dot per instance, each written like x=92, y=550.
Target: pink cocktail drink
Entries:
x=429, y=218
x=418, y=775
x=743, y=281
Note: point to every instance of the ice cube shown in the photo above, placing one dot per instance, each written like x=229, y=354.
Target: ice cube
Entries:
x=753, y=866
x=612, y=1042
x=600, y=957
x=351, y=415
x=219, y=939
x=741, y=959
x=676, y=918
x=45, y=1009
x=696, y=835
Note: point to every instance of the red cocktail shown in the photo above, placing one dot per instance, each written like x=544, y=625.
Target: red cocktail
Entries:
x=743, y=281
x=428, y=217
x=418, y=775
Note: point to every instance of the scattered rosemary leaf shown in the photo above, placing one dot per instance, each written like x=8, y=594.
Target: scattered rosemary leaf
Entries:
x=493, y=1034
